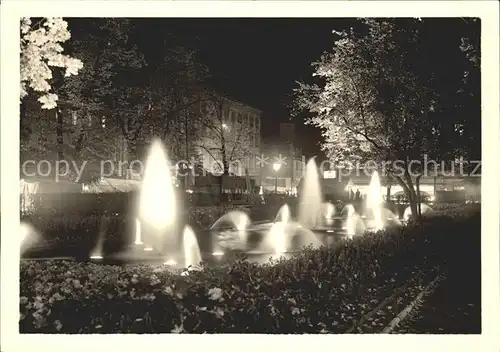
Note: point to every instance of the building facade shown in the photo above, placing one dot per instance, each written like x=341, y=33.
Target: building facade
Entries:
x=282, y=151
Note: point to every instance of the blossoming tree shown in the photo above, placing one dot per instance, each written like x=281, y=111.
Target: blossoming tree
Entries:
x=41, y=52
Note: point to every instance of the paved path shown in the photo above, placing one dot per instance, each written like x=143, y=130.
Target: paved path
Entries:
x=453, y=308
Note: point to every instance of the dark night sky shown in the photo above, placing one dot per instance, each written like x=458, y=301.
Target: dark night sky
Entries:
x=257, y=61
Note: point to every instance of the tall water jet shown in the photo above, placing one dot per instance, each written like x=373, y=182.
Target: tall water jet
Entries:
x=237, y=219
x=375, y=200
x=351, y=220
x=329, y=210
x=28, y=237
x=192, y=254
x=310, y=201
x=277, y=232
x=96, y=253
x=157, y=204
x=424, y=208
x=283, y=214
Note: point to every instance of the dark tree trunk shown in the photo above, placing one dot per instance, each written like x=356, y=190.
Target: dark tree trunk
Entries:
x=407, y=185
x=412, y=197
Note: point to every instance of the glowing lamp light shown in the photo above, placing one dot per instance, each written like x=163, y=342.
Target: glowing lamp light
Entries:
x=276, y=166
x=148, y=249
x=217, y=254
x=95, y=257
x=170, y=262
x=25, y=231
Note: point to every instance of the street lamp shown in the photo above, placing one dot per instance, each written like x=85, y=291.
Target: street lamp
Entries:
x=276, y=167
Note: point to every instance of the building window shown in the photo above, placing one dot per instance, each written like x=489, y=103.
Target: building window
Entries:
x=231, y=117
x=74, y=117
x=245, y=119
x=240, y=118
x=257, y=124
x=103, y=122
x=459, y=128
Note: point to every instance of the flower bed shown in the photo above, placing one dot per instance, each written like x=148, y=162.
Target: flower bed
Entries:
x=316, y=291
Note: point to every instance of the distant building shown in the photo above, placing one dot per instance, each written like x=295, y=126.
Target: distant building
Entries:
x=287, y=133
x=237, y=116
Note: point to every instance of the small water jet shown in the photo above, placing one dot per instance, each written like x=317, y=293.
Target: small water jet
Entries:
x=424, y=208
x=28, y=237
x=103, y=229
x=375, y=200
x=233, y=229
x=351, y=220
x=170, y=262
x=277, y=232
x=390, y=217
x=192, y=254
x=157, y=203
x=310, y=200
x=138, y=237
x=283, y=214
x=235, y=219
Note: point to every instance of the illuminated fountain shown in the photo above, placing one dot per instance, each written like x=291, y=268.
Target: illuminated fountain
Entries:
x=96, y=253
x=231, y=230
x=310, y=201
x=283, y=214
x=235, y=219
x=375, y=201
x=138, y=237
x=329, y=210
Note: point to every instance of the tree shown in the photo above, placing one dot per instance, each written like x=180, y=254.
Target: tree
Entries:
x=176, y=87
x=380, y=98
x=41, y=51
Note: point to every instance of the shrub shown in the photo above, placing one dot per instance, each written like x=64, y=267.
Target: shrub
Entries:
x=318, y=290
